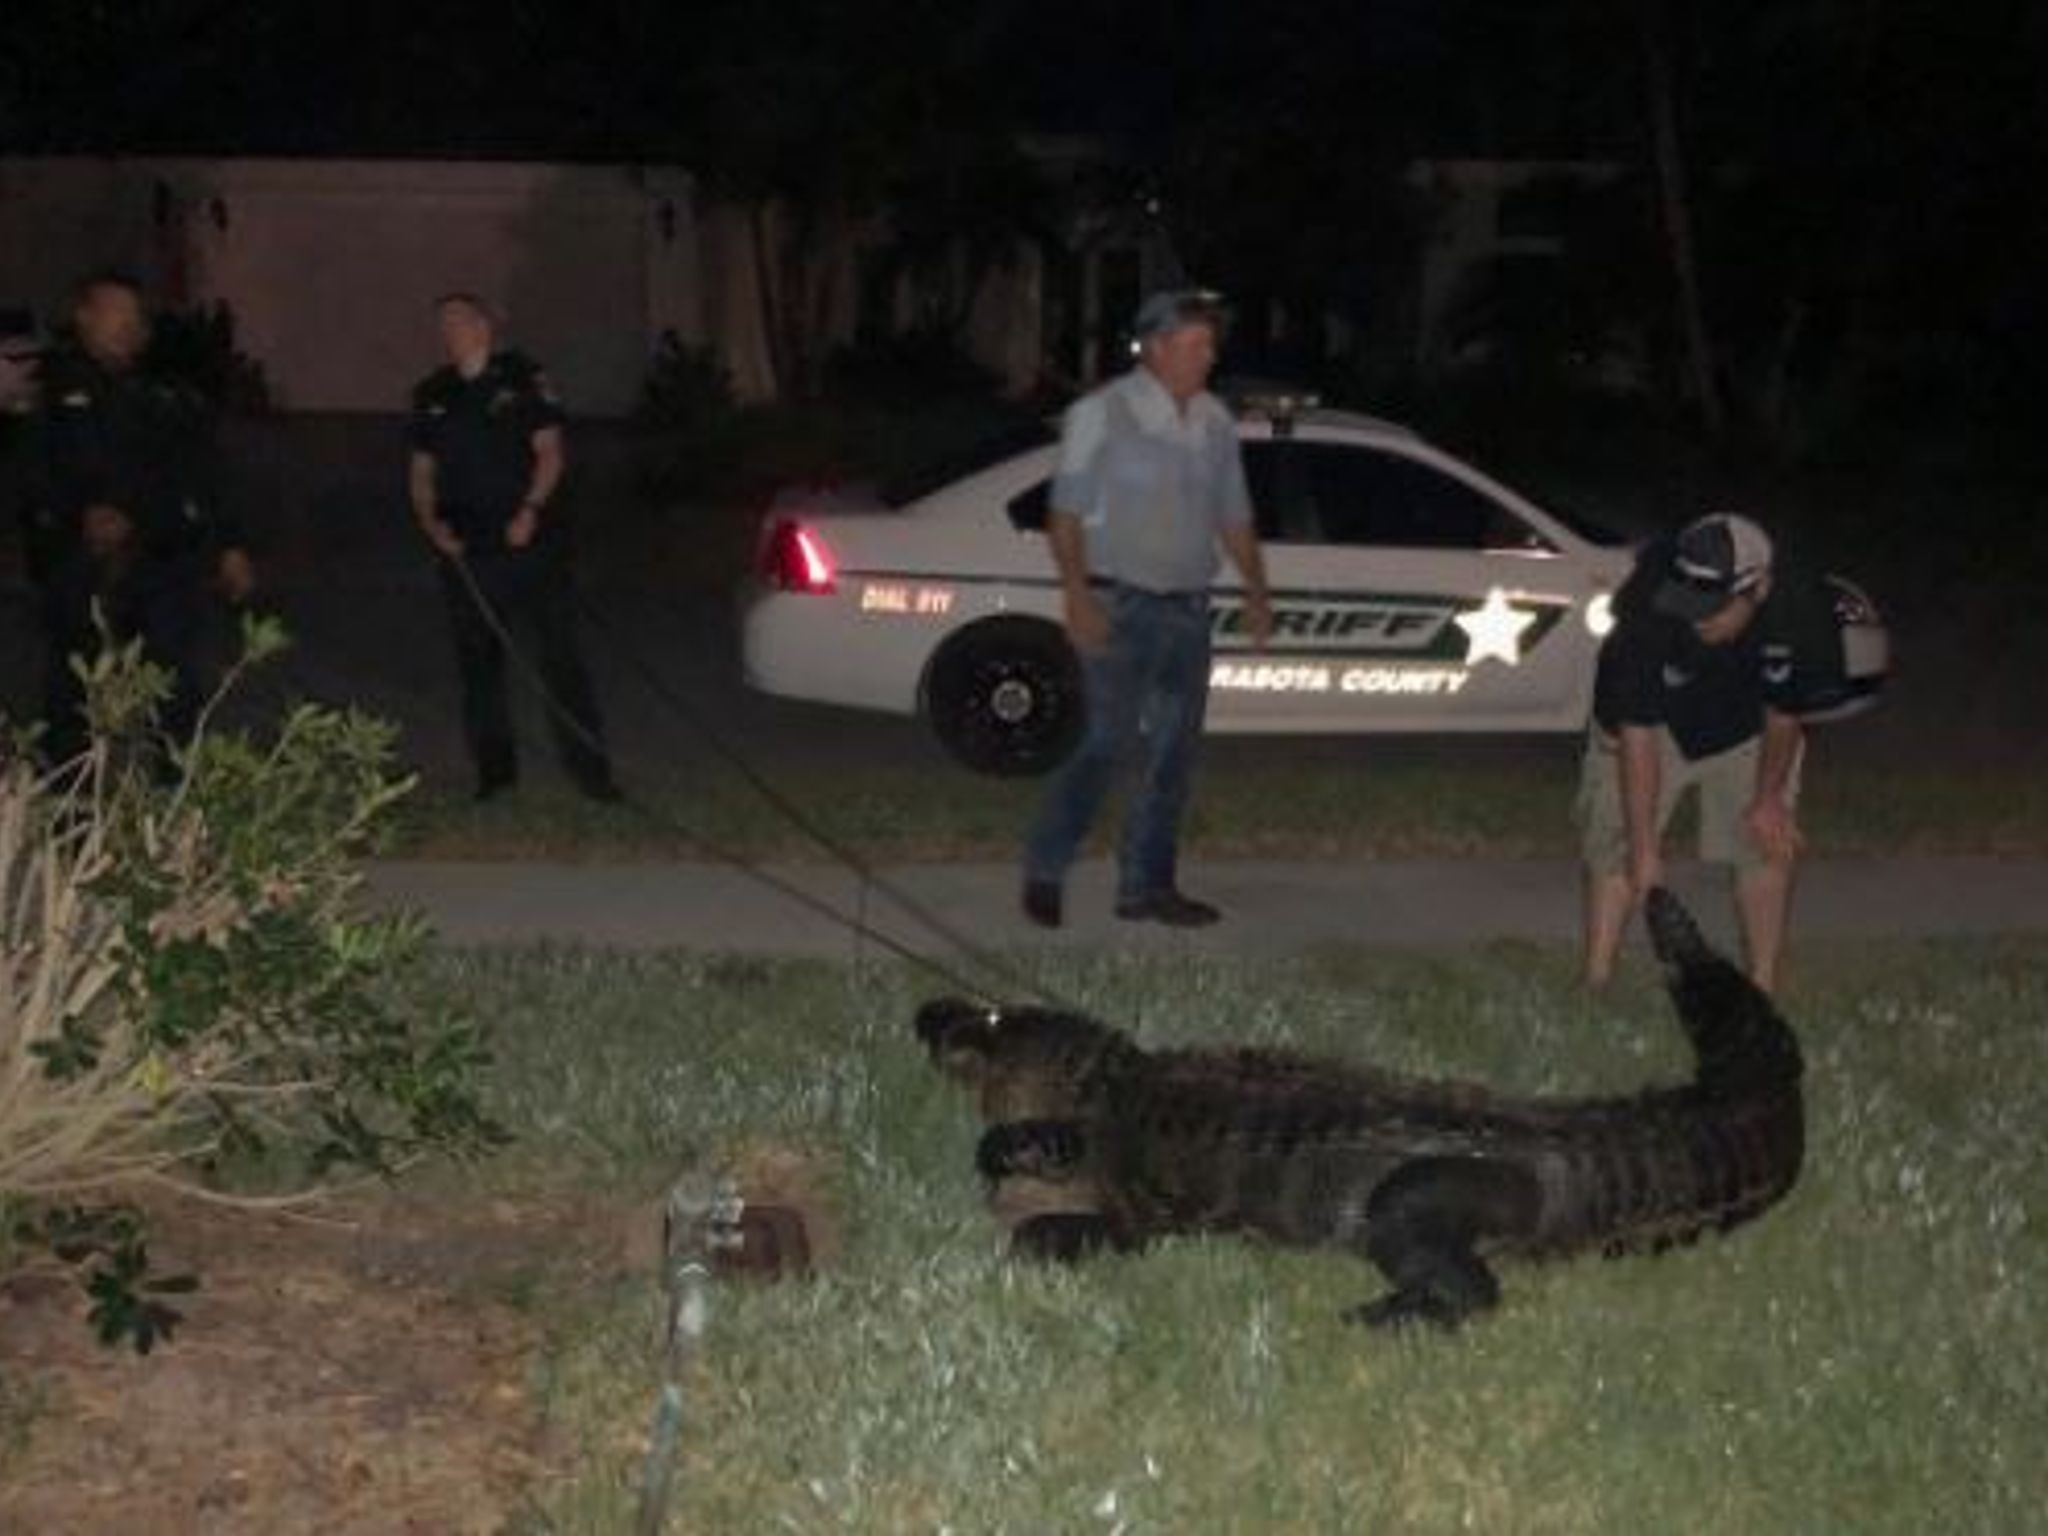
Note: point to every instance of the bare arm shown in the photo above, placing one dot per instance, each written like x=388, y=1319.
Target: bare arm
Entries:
x=1241, y=542
x=1641, y=783
x=233, y=565
x=420, y=485
x=550, y=458
x=1087, y=624
x=1771, y=819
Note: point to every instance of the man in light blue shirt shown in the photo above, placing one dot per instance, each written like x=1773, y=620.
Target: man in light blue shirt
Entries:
x=1149, y=495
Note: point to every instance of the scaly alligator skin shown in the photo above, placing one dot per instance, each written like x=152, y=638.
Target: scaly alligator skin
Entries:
x=1096, y=1143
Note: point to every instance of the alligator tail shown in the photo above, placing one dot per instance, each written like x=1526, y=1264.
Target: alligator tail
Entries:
x=1678, y=940
x=1737, y=1034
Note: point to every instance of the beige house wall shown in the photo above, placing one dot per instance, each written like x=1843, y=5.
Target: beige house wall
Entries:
x=331, y=266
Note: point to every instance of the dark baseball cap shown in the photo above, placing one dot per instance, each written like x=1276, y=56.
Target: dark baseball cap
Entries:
x=1173, y=308
x=1713, y=561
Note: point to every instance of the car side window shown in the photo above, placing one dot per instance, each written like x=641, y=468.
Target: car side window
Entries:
x=1027, y=508
x=1283, y=507
x=1280, y=505
x=1368, y=496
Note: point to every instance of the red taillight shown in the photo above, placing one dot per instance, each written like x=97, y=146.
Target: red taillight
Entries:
x=796, y=559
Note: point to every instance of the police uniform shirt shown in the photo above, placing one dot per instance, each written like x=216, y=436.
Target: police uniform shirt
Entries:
x=1153, y=485
x=133, y=440
x=1654, y=669
x=479, y=432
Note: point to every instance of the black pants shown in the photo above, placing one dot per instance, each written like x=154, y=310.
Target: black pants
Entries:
x=159, y=600
x=529, y=593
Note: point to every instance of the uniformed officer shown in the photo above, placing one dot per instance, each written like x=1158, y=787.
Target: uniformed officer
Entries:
x=122, y=511
x=485, y=478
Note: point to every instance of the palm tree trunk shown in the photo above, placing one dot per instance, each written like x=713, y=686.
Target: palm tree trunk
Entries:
x=766, y=286
x=1676, y=203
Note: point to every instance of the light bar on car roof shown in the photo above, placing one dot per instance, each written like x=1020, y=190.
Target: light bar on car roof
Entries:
x=1270, y=399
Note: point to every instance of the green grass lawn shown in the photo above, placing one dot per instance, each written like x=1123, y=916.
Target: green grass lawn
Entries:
x=1863, y=1358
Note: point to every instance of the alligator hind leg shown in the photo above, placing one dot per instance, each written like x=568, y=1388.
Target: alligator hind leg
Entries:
x=1424, y=1225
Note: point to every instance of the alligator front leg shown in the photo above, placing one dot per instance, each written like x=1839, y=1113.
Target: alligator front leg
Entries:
x=1425, y=1223
x=1040, y=1186
x=1031, y=1149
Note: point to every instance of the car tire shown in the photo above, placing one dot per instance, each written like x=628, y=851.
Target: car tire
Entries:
x=1004, y=697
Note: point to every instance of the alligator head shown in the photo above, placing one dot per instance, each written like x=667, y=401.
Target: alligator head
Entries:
x=1025, y=1063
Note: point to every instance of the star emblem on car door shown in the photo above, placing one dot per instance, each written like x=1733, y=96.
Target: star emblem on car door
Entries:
x=1494, y=629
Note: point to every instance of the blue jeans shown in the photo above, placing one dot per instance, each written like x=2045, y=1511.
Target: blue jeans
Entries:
x=1152, y=681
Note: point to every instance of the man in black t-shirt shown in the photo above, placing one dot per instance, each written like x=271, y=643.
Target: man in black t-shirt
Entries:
x=1699, y=685
x=486, y=470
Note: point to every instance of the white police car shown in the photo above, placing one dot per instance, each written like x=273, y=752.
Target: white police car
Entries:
x=1411, y=593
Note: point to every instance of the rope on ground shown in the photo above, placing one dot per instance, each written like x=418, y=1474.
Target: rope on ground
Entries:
x=1009, y=976
x=821, y=837
x=702, y=1215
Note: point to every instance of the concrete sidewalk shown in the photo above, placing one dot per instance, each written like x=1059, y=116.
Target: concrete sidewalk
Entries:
x=1268, y=907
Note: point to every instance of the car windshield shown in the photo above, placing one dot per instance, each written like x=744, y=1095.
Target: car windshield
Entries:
x=1555, y=500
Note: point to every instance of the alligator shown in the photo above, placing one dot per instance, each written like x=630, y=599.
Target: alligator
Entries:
x=1095, y=1143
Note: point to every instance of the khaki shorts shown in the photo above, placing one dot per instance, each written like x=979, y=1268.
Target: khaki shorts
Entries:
x=1727, y=784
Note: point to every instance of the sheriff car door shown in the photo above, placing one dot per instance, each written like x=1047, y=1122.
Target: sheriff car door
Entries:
x=1407, y=597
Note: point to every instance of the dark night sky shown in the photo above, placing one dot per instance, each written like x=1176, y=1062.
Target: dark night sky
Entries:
x=1878, y=162
x=619, y=78
x=611, y=78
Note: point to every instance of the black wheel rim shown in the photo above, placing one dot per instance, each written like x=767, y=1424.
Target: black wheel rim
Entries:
x=1016, y=712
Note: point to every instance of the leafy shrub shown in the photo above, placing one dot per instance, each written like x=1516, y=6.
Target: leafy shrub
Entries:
x=186, y=979
x=902, y=410
x=688, y=410
x=198, y=347
x=914, y=367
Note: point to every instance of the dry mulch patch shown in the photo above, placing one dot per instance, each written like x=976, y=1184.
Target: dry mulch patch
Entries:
x=367, y=1367
x=368, y=1371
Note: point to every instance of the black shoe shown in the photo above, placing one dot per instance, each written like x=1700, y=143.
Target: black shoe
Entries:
x=1170, y=908
x=604, y=791
x=491, y=788
x=1042, y=902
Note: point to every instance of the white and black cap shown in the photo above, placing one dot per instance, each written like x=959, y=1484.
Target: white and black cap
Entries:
x=1714, y=561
